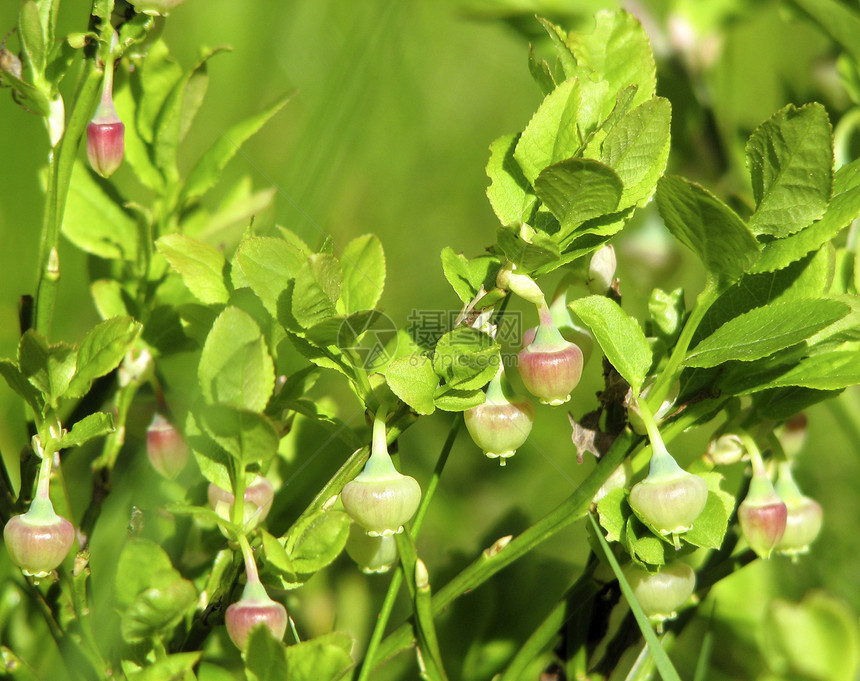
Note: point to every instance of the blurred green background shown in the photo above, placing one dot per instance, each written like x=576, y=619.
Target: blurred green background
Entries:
x=395, y=105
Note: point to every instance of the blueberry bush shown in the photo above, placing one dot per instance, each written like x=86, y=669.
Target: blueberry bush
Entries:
x=222, y=441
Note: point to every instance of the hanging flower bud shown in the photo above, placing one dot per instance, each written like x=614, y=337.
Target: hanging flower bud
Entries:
x=39, y=540
x=762, y=514
x=381, y=499
x=105, y=132
x=803, y=518
x=157, y=7
x=726, y=449
x=373, y=555
x=254, y=609
x=503, y=422
x=550, y=366
x=792, y=435
x=634, y=417
x=661, y=594
x=569, y=330
x=165, y=447
x=669, y=499
x=520, y=284
x=601, y=270
x=258, y=501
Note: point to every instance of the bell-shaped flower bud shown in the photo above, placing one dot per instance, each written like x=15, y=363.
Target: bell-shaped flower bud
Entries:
x=503, y=422
x=258, y=499
x=165, y=447
x=254, y=609
x=380, y=498
x=550, y=366
x=661, y=594
x=601, y=270
x=804, y=515
x=373, y=555
x=105, y=132
x=762, y=515
x=726, y=449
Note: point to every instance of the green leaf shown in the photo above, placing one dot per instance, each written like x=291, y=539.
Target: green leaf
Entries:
x=235, y=366
x=552, y=134
x=324, y=658
x=790, y=158
x=32, y=37
x=827, y=371
x=707, y=226
x=413, y=380
x=276, y=554
x=577, y=190
x=19, y=383
x=317, y=289
x=88, y=428
x=614, y=511
x=468, y=276
x=170, y=668
x=840, y=21
x=201, y=266
x=710, y=527
x=637, y=148
x=458, y=400
x=317, y=540
x=842, y=209
x=206, y=173
x=510, y=194
x=268, y=264
x=526, y=248
x=265, y=658
x=618, y=50
x=50, y=368
x=764, y=330
x=142, y=563
x=667, y=671
x=157, y=609
x=363, y=266
x=180, y=105
x=619, y=335
x=110, y=298
x=215, y=464
x=155, y=79
x=647, y=547
x=94, y=219
x=466, y=358
x=246, y=435
x=102, y=350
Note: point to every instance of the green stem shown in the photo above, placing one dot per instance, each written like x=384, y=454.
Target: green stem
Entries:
x=672, y=370
x=397, y=577
x=430, y=656
x=115, y=440
x=59, y=178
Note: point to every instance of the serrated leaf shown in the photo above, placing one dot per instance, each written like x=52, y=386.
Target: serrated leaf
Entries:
x=49, y=368
x=552, y=134
x=269, y=264
x=619, y=335
x=709, y=529
x=201, y=266
x=317, y=289
x=842, y=209
x=646, y=547
x=157, y=609
x=827, y=371
x=510, y=194
x=707, y=226
x=88, y=428
x=156, y=76
x=363, y=265
x=467, y=276
x=246, y=435
x=413, y=380
x=466, y=358
x=215, y=464
x=765, y=330
x=19, y=383
x=324, y=658
x=276, y=554
x=618, y=50
x=540, y=250
x=206, y=173
x=637, y=149
x=235, y=366
x=94, y=219
x=790, y=158
x=614, y=511
x=577, y=190
x=265, y=658
x=169, y=668
x=458, y=400
x=102, y=350
x=317, y=540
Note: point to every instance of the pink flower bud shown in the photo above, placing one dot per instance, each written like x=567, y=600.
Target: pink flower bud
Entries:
x=165, y=447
